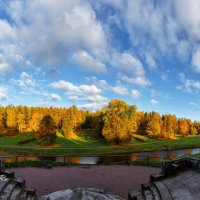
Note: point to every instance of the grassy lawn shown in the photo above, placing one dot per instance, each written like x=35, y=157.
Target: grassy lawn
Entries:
x=87, y=144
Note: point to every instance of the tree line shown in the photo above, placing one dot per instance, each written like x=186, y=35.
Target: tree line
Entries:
x=117, y=122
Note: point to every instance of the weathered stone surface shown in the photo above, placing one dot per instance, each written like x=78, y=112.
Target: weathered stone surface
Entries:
x=179, y=180
x=81, y=194
x=59, y=195
x=12, y=188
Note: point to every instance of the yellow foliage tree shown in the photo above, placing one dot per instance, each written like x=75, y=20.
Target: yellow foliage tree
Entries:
x=119, y=121
x=21, y=122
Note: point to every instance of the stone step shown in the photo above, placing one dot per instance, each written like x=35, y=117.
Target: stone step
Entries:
x=163, y=190
x=155, y=193
x=135, y=196
x=4, y=181
x=16, y=191
x=148, y=195
x=22, y=195
x=6, y=193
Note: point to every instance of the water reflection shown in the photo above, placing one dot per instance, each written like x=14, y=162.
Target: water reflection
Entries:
x=107, y=159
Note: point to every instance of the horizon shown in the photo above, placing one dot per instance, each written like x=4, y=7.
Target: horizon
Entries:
x=61, y=53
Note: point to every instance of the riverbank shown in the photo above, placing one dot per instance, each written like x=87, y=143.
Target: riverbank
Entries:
x=9, y=145
x=117, y=179
x=49, y=164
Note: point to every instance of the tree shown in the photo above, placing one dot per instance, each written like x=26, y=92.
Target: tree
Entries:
x=183, y=127
x=2, y=118
x=153, y=125
x=68, y=127
x=169, y=126
x=72, y=120
x=35, y=121
x=119, y=121
x=21, y=122
x=115, y=130
x=11, y=121
x=46, y=134
x=11, y=117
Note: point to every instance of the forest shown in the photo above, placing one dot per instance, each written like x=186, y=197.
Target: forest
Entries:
x=116, y=123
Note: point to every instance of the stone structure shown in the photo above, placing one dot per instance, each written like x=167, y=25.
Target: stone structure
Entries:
x=178, y=180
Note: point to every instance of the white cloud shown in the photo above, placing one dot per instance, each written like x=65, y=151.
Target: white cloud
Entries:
x=120, y=90
x=150, y=61
x=149, y=25
x=91, y=106
x=100, y=83
x=63, y=85
x=131, y=69
x=188, y=85
x=94, y=98
x=128, y=63
x=5, y=67
x=196, y=60
x=7, y=32
x=89, y=93
x=90, y=89
x=140, y=80
x=190, y=22
x=89, y=63
x=30, y=25
x=55, y=97
x=74, y=98
x=70, y=87
x=135, y=94
x=26, y=80
x=154, y=102
x=3, y=94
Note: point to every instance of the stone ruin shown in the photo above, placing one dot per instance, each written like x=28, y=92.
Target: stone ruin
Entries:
x=178, y=179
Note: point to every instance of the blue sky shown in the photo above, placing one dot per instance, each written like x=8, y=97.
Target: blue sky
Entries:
x=86, y=52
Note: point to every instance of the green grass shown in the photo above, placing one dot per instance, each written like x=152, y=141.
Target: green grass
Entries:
x=13, y=140
x=87, y=144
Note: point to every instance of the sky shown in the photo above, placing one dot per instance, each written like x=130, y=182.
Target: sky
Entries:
x=86, y=52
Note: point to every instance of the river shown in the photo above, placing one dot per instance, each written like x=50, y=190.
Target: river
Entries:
x=107, y=159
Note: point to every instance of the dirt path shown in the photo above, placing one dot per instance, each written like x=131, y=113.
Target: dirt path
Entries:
x=117, y=179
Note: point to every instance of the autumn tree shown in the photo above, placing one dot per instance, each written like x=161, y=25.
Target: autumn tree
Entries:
x=183, y=127
x=169, y=126
x=196, y=126
x=119, y=121
x=68, y=127
x=46, y=134
x=153, y=125
x=11, y=120
x=35, y=121
x=2, y=118
x=21, y=123
x=71, y=121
